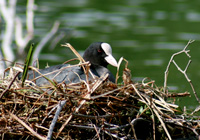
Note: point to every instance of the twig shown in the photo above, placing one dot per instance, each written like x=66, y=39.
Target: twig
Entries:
x=104, y=94
x=132, y=127
x=45, y=40
x=8, y=13
x=63, y=126
x=94, y=117
x=118, y=65
x=7, y=89
x=115, y=136
x=179, y=69
x=30, y=18
x=2, y=64
x=74, y=51
x=172, y=58
x=86, y=69
x=196, y=110
x=185, y=74
x=26, y=126
x=55, y=118
x=22, y=40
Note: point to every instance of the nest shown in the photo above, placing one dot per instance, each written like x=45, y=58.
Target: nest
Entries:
x=95, y=109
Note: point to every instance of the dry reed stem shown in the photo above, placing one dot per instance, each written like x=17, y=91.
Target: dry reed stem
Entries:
x=86, y=70
x=118, y=65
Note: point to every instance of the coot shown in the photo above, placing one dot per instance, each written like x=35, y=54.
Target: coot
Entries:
x=99, y=54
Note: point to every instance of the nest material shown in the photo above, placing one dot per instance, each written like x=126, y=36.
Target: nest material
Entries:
x=94, y=110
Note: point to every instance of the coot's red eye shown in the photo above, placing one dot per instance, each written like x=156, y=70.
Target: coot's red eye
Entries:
x=99, y=51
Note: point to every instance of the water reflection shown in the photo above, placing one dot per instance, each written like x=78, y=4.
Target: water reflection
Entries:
x=193, y=16
x=185, y=36
x=150, y=30
x=155, y=62
x=169, y=45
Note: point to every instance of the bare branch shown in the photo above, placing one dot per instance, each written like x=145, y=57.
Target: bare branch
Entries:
x=45, y=40
x=172, y=58
x=30, y=17
x=179, y=69
x=21, y=40
x=196, y=110
x=53, y=123
x=8, y=13
x=2, y=64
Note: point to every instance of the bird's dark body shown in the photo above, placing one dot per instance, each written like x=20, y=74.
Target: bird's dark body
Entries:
x=66, y=73
x=95, y=54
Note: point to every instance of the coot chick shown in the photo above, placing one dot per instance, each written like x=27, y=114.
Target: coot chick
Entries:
x=99, y=54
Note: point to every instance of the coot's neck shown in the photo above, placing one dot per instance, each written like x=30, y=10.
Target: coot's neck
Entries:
x=94, y=66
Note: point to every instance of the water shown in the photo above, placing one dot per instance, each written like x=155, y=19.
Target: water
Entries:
x=145, y=32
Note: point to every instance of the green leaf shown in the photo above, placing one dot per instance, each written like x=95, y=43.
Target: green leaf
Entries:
x=27, y=63
x=141, y=109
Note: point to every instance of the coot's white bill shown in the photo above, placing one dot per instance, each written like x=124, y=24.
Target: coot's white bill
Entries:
x=111, y=60
x=108, y=50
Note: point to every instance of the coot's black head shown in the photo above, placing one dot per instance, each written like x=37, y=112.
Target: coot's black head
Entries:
x=99, y=53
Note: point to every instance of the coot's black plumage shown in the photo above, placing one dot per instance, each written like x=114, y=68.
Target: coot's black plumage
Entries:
x=99, y=54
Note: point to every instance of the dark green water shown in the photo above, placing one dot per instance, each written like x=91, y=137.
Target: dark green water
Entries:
x=145, y=32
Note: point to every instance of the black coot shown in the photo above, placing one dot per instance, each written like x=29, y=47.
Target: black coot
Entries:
x=99, y=54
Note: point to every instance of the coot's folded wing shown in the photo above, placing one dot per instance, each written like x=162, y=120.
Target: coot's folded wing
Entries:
x=100, y=70
x=60, y=73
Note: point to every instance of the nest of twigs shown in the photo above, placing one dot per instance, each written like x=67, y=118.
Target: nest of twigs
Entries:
x=91, y=110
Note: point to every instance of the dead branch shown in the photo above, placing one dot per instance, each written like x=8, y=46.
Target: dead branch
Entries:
x=184, y=72
x=45, y=40
x=8, y=13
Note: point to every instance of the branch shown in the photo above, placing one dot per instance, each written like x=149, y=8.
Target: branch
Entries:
x=7, y=89
x=20, y=40
x=187, y=78
x=30, y=17
x=171, y=59
x=2, y=64
x=8, y=13
x=179, y=69
x=42, y=43
x=55, y=118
